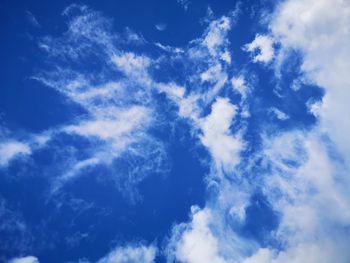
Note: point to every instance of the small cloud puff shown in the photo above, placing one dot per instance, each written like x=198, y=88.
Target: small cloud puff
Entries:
x=262, y=48
x=279, y=114
x=161, y=26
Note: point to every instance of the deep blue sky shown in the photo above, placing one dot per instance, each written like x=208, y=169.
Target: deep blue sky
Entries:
x=90, y=215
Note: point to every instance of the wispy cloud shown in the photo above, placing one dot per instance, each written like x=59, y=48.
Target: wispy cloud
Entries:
x=12, y=149
x=185, y=3
x=278, y=114
x=32, y=19
x=28, y=259
x=302, y=174
x=161, y=26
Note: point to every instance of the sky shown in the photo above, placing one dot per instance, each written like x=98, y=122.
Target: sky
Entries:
x=172, y=131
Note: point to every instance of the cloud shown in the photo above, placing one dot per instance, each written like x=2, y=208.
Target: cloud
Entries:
x=223, y=146
x=239, y=85
x=261, y=48
x=215, y=38
x=28, y=259
x=131, y=254
x=319, y=31
x=14, y=229
x=32, y=19
x=133, y=65
x=279, y=114
x=11, y=149
x=306, y=186
x=197, y=243
x=125, y=120
x=208, y=236
x=185, y=3
x=301, y=175
x=119, y=110
x=303, y=178
x=314, y=186
x=161, y=26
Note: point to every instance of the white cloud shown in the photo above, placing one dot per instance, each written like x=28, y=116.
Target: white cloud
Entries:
x=314, y=203
x=129, y=62
x=28, y=259
x=113, y=139
x=12, y=149
x=119, y=111
x=306, y=182
x=320, y=31
x=197, y=243
x=126, y=120
x=172, y=90
x=279, y=114
x=171, y=49
x=226, y=56
x=307, y=188
x=161, y=26
x=238, y=84
x=134, y=66
x=217, y=78
x=263, y=255
x=264, y=45
x=222, y=144
x=215, y=39
x=310, y=252
x=131, y=254
x=75, y=170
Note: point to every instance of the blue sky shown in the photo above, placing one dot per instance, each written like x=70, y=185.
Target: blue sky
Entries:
x=174, y=131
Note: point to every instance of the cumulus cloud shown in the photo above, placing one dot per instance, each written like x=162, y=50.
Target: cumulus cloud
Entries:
x=306, y=186
x=197, y=243
x=319, y=31
x=312, y=190
x=131, y=254
x=261, y=48
x=223, y=146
